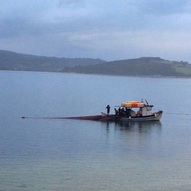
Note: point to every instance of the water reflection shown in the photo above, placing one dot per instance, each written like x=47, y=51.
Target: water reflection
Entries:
x=141, y=127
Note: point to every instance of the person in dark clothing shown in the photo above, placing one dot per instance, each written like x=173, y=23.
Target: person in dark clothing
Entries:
x=119, y=110
x=108, y=109
x=116, y=111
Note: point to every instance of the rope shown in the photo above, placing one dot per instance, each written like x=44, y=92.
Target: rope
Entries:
x=178, y=113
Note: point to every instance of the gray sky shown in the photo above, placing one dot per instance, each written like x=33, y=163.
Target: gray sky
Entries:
x=106, y=29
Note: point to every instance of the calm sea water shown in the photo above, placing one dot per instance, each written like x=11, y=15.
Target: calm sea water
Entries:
x=72, y=155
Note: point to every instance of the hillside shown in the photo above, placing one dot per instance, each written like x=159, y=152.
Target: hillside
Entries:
x=145, y=66
x=22, y=62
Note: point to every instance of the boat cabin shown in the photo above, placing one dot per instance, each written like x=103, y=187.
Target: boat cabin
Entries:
x=135, y=108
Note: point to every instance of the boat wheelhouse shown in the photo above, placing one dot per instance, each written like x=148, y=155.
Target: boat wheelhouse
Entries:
x=137, y=111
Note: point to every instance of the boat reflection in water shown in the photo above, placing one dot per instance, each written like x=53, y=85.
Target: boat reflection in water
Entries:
x=141, y=127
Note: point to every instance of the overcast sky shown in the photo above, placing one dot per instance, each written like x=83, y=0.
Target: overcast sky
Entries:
x=105, y=29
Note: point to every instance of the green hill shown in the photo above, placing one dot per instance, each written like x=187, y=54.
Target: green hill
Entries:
x=145, y=66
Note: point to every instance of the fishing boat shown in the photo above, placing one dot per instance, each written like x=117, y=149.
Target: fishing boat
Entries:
x=127, y=111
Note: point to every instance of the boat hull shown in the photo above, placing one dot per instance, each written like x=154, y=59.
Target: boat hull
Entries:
x=154, y=117
x=104, y=117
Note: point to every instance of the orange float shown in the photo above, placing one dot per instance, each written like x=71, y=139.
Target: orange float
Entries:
x=131, y=104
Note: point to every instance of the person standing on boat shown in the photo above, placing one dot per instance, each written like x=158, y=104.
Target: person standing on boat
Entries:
x=108, y=109
x=116, y=111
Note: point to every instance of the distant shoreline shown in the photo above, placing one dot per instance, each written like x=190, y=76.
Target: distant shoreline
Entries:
x=153, y=67
x=152, y=77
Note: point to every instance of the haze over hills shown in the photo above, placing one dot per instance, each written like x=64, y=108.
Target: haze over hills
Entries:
x=145, y=66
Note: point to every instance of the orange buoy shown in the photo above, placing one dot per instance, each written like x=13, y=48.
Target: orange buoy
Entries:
x=131, y=104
